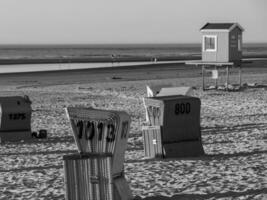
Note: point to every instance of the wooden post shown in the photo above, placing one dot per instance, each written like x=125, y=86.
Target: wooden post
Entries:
x=240, y=76
x=227, y=77
x=216, y=85
x=203, y=77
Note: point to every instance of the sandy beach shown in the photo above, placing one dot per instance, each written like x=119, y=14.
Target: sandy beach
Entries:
x=233, y=125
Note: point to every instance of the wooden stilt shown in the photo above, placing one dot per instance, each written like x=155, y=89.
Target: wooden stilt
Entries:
x=240, y=76
x=216, y=84
x=225, y=66
x=227, y=77
x=203, y=77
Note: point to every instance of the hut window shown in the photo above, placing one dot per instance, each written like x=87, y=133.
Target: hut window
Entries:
x=209, y=43
x=239, y=43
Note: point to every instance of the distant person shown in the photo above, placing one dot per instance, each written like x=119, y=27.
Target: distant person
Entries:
x=113, y=58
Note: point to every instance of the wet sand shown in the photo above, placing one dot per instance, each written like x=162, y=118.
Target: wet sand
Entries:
x=142, y=72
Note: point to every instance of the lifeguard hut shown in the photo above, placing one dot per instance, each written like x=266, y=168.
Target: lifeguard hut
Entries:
x=221, y=47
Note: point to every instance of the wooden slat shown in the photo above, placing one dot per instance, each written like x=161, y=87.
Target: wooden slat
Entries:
x=152, y=141
x=155, y=110
x=90, y=177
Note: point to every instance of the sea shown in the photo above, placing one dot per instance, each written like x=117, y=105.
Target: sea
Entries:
x=21, y=54
x=101, y=50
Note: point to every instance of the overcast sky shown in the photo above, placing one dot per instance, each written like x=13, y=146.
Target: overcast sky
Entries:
x=125, y=21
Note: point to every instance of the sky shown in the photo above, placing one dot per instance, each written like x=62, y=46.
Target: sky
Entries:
x=125, y=21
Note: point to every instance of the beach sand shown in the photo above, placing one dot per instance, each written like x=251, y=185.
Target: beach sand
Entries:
x=233, y=124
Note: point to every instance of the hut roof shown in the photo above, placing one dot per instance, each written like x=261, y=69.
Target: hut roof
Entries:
x=221, y=26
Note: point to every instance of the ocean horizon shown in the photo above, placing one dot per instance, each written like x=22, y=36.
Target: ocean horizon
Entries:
x=46, y=51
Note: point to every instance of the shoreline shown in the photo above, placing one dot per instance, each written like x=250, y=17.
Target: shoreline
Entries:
x=108, y=59
x=60, y=67
x=49, y=66
x=122, y=73
x=94, y=59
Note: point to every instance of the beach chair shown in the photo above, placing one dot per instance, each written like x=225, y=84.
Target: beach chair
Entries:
x=98, y=170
